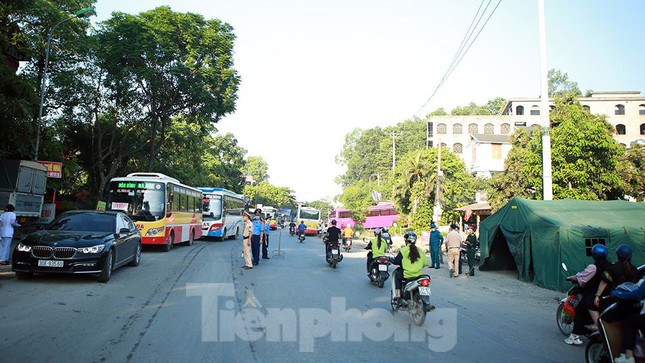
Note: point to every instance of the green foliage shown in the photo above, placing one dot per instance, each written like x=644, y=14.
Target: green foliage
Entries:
x=438, y=112
x=267, y=194
x=324, y=205
x=584, y=159
x=257, y=168
x=560, y=85
x=492, y=107
x=631, y=171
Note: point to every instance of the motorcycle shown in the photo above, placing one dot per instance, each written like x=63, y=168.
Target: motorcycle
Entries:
x=347, y=244
x=415, y=298
x=301, y=237
x=566, y=310
x=292, y=230
x=333, y=254
x=379, y=271
x=606, y=343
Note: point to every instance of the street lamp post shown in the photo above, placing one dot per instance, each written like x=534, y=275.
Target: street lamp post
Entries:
x=83, y=13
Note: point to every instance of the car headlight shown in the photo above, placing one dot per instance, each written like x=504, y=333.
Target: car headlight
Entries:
x=24, y=248
x=93, y=249
x=154, y=231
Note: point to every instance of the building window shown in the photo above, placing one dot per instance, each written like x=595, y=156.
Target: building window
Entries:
x=620, y=129
x=551, y=108
x=519, y=110
x=587, y=107
x=590, y=242
x=619, y=110
x=642, y=128
x=458, y=148
x=441, y=129
x=497, y=151
x=473, y=129
x=444, y=145
x=489, y=129
x=641, y=110
x=457, y=129
x=506, y=128
x=535, y=111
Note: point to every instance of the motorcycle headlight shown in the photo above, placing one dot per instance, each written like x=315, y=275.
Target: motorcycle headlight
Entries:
x=23, y=248
x=93, y=249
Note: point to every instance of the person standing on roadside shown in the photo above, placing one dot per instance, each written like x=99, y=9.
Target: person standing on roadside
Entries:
x=256, y=237
x=265, y=244
x=7, y=224
x=246, y=241
x=453, y=242
x=436, y=240
x=472, y=243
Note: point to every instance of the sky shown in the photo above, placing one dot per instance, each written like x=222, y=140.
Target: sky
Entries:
x=314, y=70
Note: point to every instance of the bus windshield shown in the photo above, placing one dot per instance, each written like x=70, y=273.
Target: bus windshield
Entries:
x=213, y=206
x=142, y=201
x=310, y=214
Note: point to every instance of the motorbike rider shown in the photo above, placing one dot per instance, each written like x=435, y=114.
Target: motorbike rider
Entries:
x=333, y=235
x=292, y=226
x=588, y=280
x=411, y=259
x=617, y=273
x=377, y=247
x=302, y=227
x=385, y=234
x=633, y=323
x=348, y=232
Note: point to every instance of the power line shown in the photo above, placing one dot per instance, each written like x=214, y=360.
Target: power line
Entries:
x=459, y=55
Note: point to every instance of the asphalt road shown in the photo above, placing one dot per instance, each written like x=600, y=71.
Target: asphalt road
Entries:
x=196, y=304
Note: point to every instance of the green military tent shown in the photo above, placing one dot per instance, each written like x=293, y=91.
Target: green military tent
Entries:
x=536, y=236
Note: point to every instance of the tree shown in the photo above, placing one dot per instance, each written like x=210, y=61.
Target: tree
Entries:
x=631, y=171
x=438, y=112
x=561, y=86
x=257, y=168
x=584, y=159
x=492, y=107
x=324, y=206
x=267, y=194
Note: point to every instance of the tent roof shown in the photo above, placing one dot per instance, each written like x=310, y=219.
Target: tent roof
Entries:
x=570, y=212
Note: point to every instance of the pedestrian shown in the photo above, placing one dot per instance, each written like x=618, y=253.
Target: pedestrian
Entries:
x=265, y=244
x=7, y=224
x=246, y=241
x=471, y=243
x=436, y=240
x=453, y=243
x=256, y=237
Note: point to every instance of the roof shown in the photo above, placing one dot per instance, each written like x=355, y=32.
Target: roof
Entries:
x=491, y=138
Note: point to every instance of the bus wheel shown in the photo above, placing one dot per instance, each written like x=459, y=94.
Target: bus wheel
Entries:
x=237, y=233
x=191, y=238
x=171, y=239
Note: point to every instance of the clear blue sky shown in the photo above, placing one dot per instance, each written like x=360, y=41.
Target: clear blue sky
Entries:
x=313, y=70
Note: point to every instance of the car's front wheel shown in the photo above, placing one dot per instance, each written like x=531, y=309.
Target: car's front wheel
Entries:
x=106, y=272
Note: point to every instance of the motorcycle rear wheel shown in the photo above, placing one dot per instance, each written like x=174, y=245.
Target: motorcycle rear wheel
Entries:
x=596, y=352
x=564, y=321
x=417, y=310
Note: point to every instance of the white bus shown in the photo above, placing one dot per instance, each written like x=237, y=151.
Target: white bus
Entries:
x=222, y=210
x=311, y=217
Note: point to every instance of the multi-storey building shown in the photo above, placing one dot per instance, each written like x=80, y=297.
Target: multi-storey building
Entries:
x=483, y=141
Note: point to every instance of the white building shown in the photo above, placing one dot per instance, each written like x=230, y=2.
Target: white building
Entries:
x=483, y=141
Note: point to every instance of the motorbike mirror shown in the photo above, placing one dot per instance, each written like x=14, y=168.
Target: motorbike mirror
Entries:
x=564, y=266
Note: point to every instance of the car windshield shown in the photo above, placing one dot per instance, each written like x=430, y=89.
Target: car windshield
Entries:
x=91, y=222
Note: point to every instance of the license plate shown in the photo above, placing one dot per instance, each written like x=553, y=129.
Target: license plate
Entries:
x=382, y=267
x=424, y=290
x=50, y=263
x=334, y=252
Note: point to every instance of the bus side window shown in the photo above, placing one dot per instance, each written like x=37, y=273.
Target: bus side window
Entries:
x=169, y=204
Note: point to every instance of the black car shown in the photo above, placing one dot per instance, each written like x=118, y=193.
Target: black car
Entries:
x=80, y=242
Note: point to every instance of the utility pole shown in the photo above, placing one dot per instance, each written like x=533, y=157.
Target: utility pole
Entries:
x=547, y=193
x=437, y=201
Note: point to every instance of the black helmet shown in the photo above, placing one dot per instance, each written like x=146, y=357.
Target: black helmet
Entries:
x=624, y=252
x=333, y=221
x=410, y=237
x=599, y=251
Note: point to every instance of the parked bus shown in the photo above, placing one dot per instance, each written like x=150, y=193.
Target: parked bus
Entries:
x=223, y=209
x=342, y=217
x=164, y=210
x=311, y=217
x=379, y=216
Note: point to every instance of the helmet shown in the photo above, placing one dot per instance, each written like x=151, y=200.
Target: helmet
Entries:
x=377, y=231
x=333, y=221
x=410, y=237
x=384, y=230
x=624, y=252
x=599, y=251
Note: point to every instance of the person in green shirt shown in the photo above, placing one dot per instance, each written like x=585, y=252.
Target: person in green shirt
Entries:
x=378, y=247
x=411, y=259
x=472, y=243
